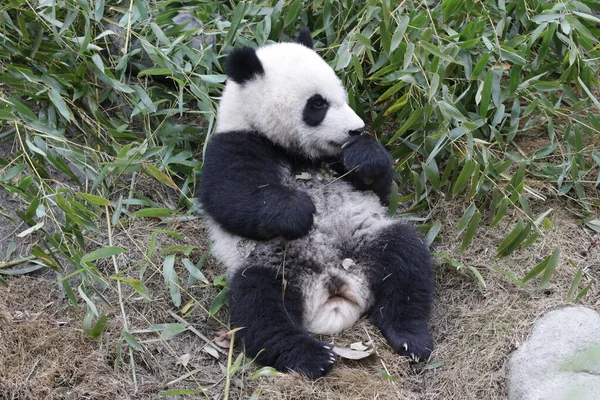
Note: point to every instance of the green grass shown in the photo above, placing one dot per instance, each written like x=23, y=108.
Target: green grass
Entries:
x=96, y=93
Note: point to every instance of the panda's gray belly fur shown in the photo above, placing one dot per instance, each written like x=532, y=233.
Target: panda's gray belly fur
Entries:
x=329, y=266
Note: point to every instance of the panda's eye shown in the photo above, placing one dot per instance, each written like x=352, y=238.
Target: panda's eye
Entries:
x=318, y=104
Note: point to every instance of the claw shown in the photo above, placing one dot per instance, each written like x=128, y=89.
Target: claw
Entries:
x=405, y=345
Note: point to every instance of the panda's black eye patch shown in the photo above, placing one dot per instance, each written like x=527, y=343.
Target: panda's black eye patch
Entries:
x=315, y=110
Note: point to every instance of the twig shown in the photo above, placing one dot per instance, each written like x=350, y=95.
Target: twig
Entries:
x=196, y=332
x=229, y=358
x=122, y=306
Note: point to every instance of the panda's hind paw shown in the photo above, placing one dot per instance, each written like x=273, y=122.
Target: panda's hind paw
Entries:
x=416, y=345
x=309, y=357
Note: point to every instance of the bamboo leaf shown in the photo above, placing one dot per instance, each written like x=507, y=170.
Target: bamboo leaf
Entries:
x=471, y=231
x=102, y=252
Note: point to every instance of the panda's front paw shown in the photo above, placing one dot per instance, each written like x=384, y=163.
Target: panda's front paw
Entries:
x=414, y=341
x=295, y=215
x=307, y=356
x=367, y=157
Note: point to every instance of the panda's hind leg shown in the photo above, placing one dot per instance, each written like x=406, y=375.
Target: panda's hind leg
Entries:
x=270, y=315
x=403, y=286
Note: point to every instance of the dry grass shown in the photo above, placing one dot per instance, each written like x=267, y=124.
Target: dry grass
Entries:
x=44, y=353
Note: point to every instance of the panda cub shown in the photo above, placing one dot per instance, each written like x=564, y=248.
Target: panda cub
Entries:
x=295, y=199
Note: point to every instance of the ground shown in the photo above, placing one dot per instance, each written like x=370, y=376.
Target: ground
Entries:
x=44, y=353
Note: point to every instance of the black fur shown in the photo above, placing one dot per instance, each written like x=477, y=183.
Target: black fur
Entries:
x=242, y=191
x=305, y=38
x=271, y=313
x=370, y=163
x=403, y=283
x=315, y=110
x=243, y=65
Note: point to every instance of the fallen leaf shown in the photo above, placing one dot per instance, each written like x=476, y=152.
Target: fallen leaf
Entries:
x=223, y=339
x=351, y=354
x=184, y=359
x=211, y=351
x=362, y=346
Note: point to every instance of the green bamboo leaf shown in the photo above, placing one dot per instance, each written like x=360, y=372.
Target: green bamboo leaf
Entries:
x=293, y=11
x=91, y=306
x=399, y=33
x=575, y=282
x=480, y=66
x=450, y=111
x=238, y=14
x=432, y=173
x=585, y=290
x=474, y=272
x=486, y=93
x=218, y=301
x=94, y=331
x=21, y=271
x=93, y=199
x=194, y=271
x=391, y=91
x=471, y=231
x=171, y=279
x=550, y=268
x=60, y=104
x=11, y=172
x=466, y=218
x=69, y=291
x=412, y=119
x=155, y=72
x=513, y=239
x=408, y=55
x=432, y=233
x=130, y=339
x=265, y=371
x=99, y=10
x=463, y=178
x=158, y=212
x=159, y=175
x=103, y=252
x=509, y=276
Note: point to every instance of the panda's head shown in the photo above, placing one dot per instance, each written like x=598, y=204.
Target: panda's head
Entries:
x=289, y=94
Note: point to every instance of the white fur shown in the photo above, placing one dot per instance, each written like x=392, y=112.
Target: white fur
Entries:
x=273, y=103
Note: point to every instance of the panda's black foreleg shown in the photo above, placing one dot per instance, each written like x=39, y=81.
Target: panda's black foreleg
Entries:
x=271, y=317
x=403, y=288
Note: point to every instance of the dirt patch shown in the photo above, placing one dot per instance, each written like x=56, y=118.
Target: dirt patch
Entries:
x=43, y=352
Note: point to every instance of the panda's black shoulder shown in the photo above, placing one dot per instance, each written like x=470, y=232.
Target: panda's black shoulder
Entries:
x=225, y=145
x=249, y=146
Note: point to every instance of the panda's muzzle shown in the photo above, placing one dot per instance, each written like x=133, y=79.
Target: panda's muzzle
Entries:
x=356, y=132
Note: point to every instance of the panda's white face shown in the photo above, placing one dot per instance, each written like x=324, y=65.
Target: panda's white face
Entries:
x=288, y=93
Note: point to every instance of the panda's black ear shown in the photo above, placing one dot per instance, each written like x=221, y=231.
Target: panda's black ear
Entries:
x=243, y=65
x=305, y=38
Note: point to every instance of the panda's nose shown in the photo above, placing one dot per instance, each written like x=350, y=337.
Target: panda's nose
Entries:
x=356, y=132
